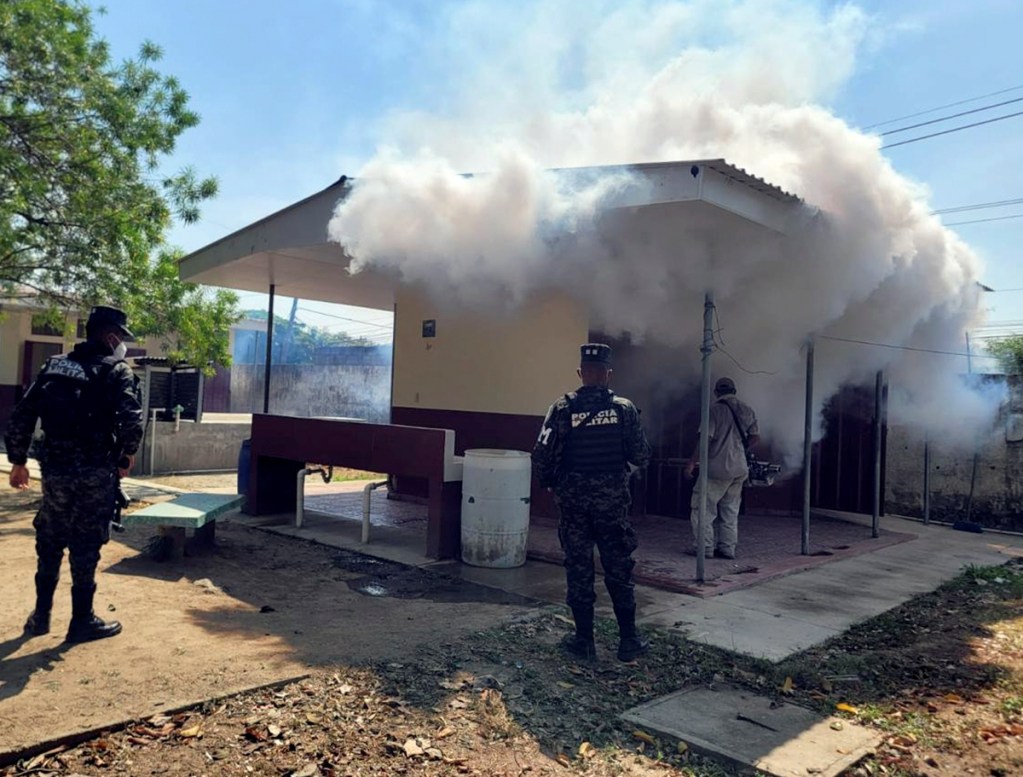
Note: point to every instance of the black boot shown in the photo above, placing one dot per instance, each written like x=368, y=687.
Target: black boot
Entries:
x=85, y=626
x=631, y=645
x=38, y=622
x=581, y=644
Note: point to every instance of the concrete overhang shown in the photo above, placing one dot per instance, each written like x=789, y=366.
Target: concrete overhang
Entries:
x=289, y=249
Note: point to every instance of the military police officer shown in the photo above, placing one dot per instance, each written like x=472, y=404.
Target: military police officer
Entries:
x=588, y=445
x=88, y=403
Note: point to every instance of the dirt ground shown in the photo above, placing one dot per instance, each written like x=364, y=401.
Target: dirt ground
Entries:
x=443, y=680
x=259, y=609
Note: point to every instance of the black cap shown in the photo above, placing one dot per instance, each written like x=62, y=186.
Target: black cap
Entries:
x=724, y=386
x=595, y=353
x=101, y=316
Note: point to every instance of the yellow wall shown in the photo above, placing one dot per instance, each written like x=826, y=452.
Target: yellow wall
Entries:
x=16, y=329
x=485, y=361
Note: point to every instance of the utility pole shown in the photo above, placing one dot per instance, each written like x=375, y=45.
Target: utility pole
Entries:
x=701, y=484
x=290, y=338
x=807, y=447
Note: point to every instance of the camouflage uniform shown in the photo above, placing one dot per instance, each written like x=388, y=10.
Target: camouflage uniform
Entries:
x=593, y=504
x=78, y=464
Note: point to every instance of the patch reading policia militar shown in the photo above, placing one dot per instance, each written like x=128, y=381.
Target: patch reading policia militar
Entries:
x=602, y=418
x=66, y=368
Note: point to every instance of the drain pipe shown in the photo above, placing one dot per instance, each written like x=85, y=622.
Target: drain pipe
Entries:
x=152, y=443
x=326, y=474
x=367, y=493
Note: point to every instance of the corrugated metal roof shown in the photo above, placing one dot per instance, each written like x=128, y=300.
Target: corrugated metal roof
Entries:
x=741, y=176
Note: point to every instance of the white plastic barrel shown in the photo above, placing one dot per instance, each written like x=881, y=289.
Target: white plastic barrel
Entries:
x=495, y=507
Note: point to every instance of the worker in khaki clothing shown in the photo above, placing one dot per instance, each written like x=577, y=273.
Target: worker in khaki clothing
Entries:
x=732, y=431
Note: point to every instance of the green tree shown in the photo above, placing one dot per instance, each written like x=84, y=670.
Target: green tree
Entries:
x=1009, y=352
x=83, y=209
x=304, y=339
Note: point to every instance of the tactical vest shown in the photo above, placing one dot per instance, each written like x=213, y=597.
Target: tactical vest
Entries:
x=595, y=444
x=74, y=407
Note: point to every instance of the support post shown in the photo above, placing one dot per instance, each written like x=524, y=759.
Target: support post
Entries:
x=927, y=479
x=701, y=484
x=875, y=523
x=269, y=349
x=807, y=448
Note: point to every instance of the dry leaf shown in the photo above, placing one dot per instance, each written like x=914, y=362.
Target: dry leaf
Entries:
x=255, y=734
x=642, y=736
x=313, y=717
x=192, y=731
x=274, y=730
x=563, y=759
x=786, y=687
x=444, y=733
x=586, y=750
x=564, y=685
x=412, y=748
x=843, y=707
x=953, y=698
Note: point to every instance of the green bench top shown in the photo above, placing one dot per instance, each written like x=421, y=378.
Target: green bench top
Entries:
x=190, y=511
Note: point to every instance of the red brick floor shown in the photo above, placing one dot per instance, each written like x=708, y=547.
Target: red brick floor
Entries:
x=769, y=546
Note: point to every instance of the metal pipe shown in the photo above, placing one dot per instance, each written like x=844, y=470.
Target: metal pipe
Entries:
x=300, y=496
x=367, y=492
x=807, y=448
x=927, y=479
x=152, y=442
x=701, y=484
x=269, y=349
x=875, y=524
x=300, y=489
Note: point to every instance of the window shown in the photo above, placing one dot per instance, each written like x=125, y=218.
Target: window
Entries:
x=80, y=329
x=42, y=325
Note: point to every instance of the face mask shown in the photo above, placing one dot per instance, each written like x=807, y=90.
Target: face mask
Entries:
x=118, y=351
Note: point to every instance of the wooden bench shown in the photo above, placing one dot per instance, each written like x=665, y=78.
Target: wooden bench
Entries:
x=188, y=511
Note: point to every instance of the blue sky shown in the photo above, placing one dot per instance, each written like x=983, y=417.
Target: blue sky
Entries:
x=292, y=96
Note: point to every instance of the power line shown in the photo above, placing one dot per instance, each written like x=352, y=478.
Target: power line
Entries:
x=943, y=107
x=345, y=318
x=898, y=347
x=980, y=206
x=954, y=129
x=981, y=221
x=952, y=116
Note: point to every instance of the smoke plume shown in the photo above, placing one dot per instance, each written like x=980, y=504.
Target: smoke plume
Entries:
x=551, y=86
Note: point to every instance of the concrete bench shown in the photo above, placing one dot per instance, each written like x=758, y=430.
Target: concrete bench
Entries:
x=188, y=511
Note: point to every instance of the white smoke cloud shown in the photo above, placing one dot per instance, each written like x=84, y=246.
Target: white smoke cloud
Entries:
x=565, y=85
